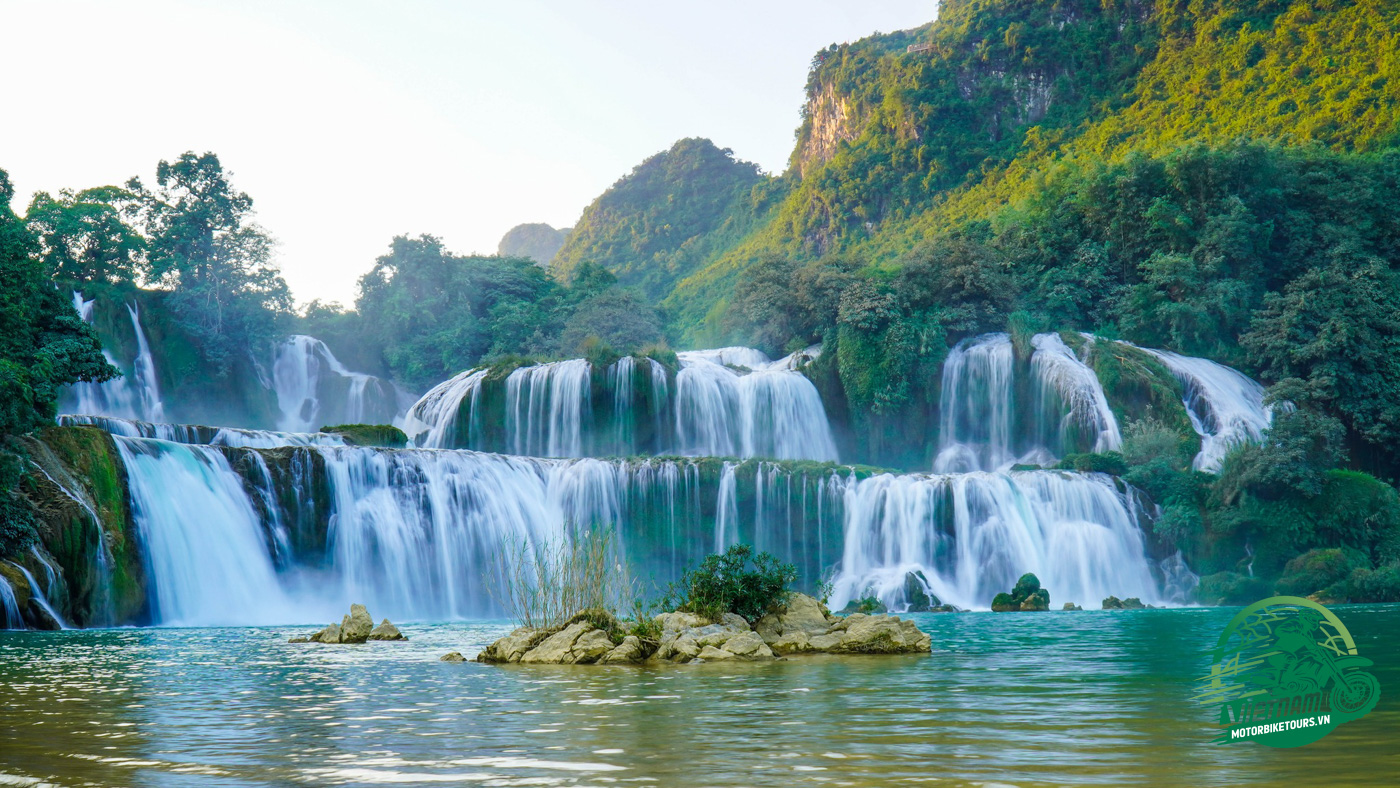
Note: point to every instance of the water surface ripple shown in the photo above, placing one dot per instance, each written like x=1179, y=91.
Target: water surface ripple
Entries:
x=1094, y=698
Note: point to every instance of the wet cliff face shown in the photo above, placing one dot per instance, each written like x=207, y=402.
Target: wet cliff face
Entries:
x=78, y=486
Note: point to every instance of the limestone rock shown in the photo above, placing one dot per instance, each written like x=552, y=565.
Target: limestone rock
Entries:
x=793, y=643
x=558, y=647
x=355, y=628
x=331, y=634
x=712, y=654
x=677, y=621
x=513, y=646
x=883, y=635
x=747, y=645
x=1131, y=603
x=299, y=639
x=386, y=631
x=1027, y=595
x=452, y=656
x=590, y=646
x=684, y=649
x=1071, y=606
x=917, y=595
x=630, y=650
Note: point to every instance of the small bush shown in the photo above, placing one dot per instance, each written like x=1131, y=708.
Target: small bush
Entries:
x=1316, y=570
x=547, y=584
x=725, y=583
x=1375, y=585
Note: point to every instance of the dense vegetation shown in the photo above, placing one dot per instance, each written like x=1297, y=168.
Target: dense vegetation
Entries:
x=736, y=581
x=673, y=211
x=43, y=346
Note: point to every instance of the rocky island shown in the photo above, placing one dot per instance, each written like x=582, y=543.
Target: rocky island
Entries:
x=802, y=626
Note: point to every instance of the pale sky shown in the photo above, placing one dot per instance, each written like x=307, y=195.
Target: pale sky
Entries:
x=351, y=122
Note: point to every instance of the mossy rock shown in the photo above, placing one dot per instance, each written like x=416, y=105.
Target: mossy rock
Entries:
x=1110, y=462
x=1004, y=603
x=1318, y=570
x=384, y=436
x=1232, y=588
x=1027, y=596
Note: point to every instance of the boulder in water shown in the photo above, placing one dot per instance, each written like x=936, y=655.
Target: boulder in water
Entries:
x=452, y=656
x=1026, y=596
x=1131, y=603
x=1071, y=606
x=331, y=634
x=299, y=639
x=916, y=593
x=355, y=628
x=386, y=631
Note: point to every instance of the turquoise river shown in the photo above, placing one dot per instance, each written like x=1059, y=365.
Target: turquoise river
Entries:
x=1092, y=698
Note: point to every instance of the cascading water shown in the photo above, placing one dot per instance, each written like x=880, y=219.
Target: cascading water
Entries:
x=205, y=436
x=314, y=389
x=732, y=402
x=546, y=405
x=206, y=555
x=976, y=406
x=134, y=396
x=735, y=402
x=971, y=535
x=1226, y=408
x=985, y=428
x=40, y=598
x=9, y=607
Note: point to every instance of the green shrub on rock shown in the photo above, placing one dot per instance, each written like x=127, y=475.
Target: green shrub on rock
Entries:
x=1374, y=585
x=1231, y=588
x=725, y=583
x=382, y=435
x=1026, y=596
x=1317, y=570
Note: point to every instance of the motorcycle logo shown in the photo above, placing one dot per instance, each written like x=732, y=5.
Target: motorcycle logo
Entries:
x=1285, y=673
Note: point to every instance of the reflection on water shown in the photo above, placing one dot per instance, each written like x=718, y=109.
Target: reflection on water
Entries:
x=1086, y=698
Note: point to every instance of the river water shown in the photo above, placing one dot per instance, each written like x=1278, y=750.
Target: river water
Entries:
x=1099, y=698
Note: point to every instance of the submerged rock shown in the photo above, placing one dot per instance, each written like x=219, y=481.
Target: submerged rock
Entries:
x=452, y=656
x=1131, y=603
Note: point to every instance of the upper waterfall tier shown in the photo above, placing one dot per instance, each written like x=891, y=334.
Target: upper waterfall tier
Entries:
x=996, y=412
x=261, y=536
x=199, y=435
x=731, y=402
x=1226, y=408
x=313, y=389
x=303, y=388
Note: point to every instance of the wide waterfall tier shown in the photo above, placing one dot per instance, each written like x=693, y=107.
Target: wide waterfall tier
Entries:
x=963, y=538
x=240, y=535
x=135, y=395
x=732, y=402
x=201, y=435
x=313, y=389
x=1226, y=408
x=997, y=411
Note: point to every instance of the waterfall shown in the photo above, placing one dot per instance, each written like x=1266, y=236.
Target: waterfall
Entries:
x=735, y=402
x=9, y=606
x=114, y=397
x=39, y=597
x=1226, y=408
x=314, y=389
x=984, y=425
x=145, y=370
x=206, y=436
x=433, y=421
x=973, y=534
x=976, y=406
x=1178, y=581
x=1071, y=407
x=546, y=406
x=206, y=555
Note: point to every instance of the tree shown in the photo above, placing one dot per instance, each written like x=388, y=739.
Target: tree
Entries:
x=206, y=249
x=84, y=237
x=43, y=345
